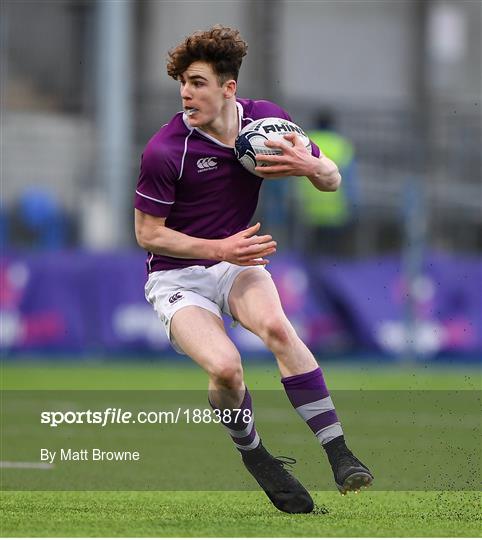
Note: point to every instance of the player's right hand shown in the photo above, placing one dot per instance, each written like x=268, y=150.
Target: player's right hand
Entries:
x=246, y=248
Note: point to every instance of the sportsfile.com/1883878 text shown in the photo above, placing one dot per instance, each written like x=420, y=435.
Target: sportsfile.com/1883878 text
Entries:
x=113, y=415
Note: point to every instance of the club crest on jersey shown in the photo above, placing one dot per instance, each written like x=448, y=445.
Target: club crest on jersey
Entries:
x=206, y=164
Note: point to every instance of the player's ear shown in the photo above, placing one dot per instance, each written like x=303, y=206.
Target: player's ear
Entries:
x=229, y=88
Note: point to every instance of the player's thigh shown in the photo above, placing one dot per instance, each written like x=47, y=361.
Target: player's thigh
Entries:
x=254, y=302
x=202, y=336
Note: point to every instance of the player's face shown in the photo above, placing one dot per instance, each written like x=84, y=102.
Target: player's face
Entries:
x=203, y=98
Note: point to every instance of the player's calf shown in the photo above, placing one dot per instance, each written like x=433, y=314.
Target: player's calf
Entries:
x=239, y=420
x=310, y=397
x=283, y=490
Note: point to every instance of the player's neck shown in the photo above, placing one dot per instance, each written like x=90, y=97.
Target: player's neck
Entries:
x=225, y=127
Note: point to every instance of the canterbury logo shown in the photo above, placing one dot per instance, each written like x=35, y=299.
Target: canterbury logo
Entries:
x=175, y=297
x=206, y=163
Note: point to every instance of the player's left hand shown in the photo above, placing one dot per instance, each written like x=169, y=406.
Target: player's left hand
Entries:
x=295, y=161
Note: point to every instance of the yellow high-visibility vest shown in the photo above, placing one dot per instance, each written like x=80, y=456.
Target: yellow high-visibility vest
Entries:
x=328, y=209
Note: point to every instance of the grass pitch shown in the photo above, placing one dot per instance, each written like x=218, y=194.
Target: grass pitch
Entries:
x=234, y=513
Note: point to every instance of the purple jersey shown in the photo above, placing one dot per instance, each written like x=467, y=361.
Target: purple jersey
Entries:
x=197, y=184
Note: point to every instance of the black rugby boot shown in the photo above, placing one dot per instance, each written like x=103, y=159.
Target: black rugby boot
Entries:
x=349, y=472
x=282, y=488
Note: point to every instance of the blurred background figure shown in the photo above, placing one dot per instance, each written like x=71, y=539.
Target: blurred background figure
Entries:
x=39, y=221
x=328, y=216
x=84, y=86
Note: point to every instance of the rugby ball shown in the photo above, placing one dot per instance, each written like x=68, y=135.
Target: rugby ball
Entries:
x=252, y=137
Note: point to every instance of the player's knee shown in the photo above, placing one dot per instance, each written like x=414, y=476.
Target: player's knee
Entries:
x=277, y=333
x=228, y=371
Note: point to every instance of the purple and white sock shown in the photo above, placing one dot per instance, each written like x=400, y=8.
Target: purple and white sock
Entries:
x=243, y=432
x=310, y=397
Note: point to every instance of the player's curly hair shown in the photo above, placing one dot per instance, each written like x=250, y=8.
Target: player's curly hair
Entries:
x=220, y=46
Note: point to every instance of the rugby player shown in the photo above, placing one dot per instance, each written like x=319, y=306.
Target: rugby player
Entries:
x=193, y=206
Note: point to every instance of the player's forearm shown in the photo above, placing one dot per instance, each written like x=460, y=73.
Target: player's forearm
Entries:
x=166, y=241
x=326, y=176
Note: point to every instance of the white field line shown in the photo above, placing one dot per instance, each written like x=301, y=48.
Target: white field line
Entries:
x=24, y=465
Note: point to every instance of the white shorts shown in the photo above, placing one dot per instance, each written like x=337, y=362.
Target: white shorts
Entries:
x=171, y=290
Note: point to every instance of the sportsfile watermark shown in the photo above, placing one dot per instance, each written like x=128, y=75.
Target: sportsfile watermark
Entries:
x=114, y=415
x=174, y=440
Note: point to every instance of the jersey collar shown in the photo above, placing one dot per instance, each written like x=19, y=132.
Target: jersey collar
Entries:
x=210, y=137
